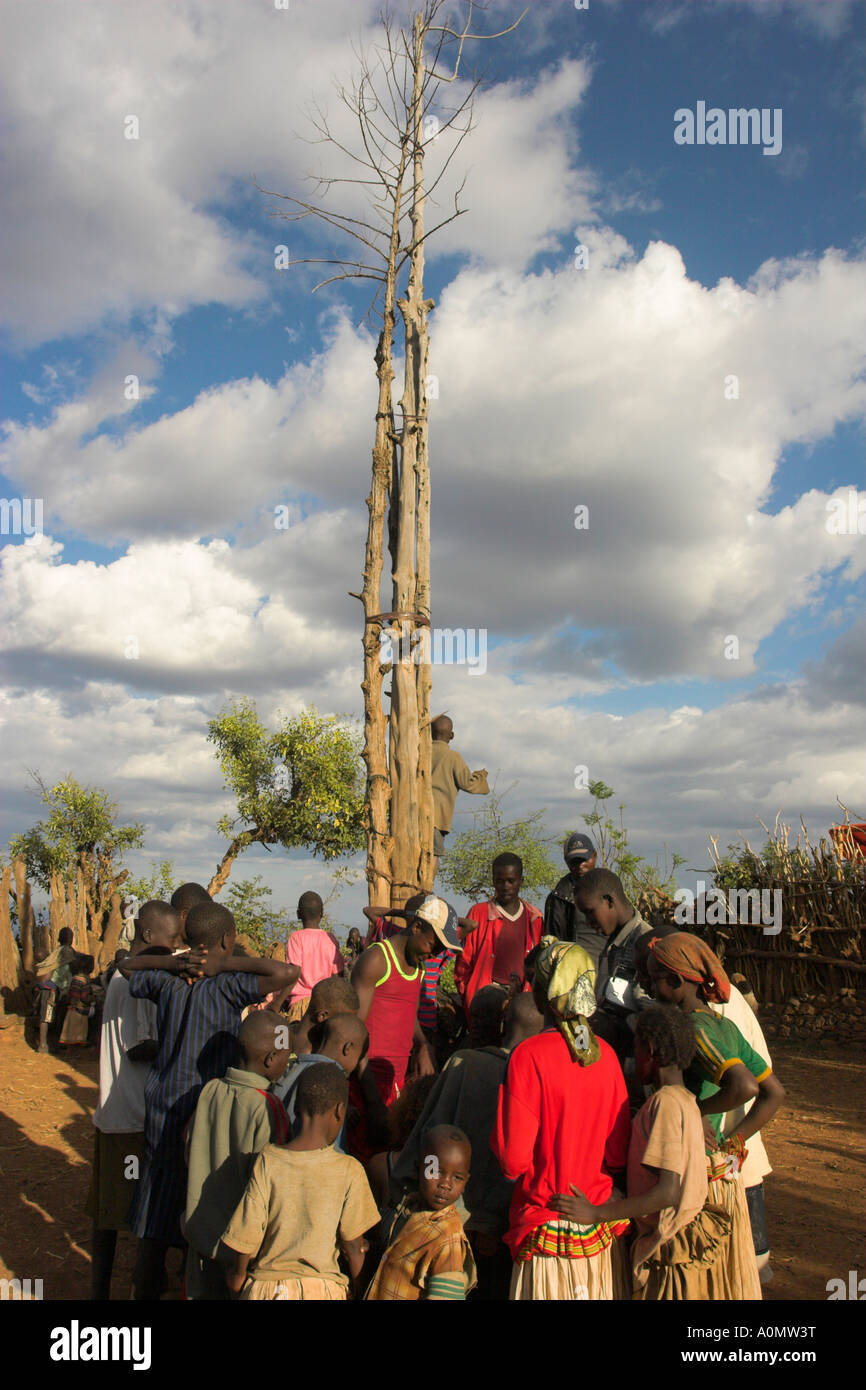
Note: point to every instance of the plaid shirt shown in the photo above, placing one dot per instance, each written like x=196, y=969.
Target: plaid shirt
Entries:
x=428, y=1246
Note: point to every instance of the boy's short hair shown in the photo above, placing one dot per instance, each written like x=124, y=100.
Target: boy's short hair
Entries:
x=599, y=882
x=310, y=905
x=153, y=914
x=507, y=860
x=321, y=1087
x=257, y=1033
x=336, y=995
x=83, y=965
x=188, y=895
x=65, y=936
x=532, y=957
x=208, y=923
x=443, y=1134
x=668, y=1032
x=485, y=1012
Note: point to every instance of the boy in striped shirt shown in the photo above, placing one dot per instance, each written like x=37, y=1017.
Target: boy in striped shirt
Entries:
x=199, y=997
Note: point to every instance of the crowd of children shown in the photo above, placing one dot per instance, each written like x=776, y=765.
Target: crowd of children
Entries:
x=292, y=1125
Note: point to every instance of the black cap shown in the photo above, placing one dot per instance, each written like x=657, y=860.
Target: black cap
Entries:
x=578, y=847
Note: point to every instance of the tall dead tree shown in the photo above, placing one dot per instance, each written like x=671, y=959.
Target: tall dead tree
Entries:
x=393, y=103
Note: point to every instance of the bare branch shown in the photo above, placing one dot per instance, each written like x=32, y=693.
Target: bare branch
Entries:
x=467, y=33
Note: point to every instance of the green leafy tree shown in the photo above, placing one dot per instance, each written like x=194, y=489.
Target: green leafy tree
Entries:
x=80, y=831
x=300, y=786
x=611, y=840
x=254, y=916
x=465, y=869
x=159, y=884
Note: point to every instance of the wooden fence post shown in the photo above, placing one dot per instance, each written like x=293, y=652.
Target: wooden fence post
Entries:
x=112, y=931
x=81, y=942
x=25, y=914
x=10, y=959
x=57, y=917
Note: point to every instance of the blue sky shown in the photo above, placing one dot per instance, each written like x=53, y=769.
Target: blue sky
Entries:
x=708, y=514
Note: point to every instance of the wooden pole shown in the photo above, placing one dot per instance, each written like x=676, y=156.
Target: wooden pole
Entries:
x=81, y=942
x=10, y=958
x=378, y=789
x=112, y=932
x=57, y=917
x=25, y=915
x=404, y=728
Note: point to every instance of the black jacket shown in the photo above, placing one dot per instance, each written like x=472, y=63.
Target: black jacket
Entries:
x=563, y=918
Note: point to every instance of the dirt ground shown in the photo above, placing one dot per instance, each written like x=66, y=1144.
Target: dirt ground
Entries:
x=815, y=1197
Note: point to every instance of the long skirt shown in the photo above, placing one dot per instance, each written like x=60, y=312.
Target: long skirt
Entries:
x=692, y=1266
x=552, y=1278
x=293, y=1290
x=74, y=1032
x=742, y=1276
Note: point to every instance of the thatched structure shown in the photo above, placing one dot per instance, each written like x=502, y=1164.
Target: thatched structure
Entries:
x=820, y=948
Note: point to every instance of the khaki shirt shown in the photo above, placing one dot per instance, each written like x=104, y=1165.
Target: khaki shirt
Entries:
x=232, y=1124
x=299, y=1203
x=451, y=775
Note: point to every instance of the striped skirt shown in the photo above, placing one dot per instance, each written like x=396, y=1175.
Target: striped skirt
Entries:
x=561, y=1261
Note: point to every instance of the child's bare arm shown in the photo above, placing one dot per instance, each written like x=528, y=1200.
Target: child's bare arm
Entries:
x=354, y=1251
x=236, y=1272
x=274, y=974
x=574, y=1206
x=738, y=1088
x=770, y=1097
x=189, y=963
x=281, y=998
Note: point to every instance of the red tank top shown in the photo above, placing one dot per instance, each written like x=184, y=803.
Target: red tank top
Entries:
x=391, y=1020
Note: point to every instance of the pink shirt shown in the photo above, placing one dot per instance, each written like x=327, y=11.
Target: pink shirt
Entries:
x=317, y=953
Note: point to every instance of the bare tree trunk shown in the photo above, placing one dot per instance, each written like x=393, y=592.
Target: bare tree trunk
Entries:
x=391, y=122
x=25, y=914
x=112, y=932
x=224, y=867
x=57, y=914
x=411, y=793
x=82, y=940
x=10, y=958
x=415, y=311
x=378, y=789
x=380, y=839
x=41, y=940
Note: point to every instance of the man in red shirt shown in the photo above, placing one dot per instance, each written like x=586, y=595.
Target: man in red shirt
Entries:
x=563, y=1119
x=507, y=930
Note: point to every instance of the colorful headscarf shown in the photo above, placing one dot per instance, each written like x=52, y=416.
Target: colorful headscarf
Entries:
x=690, y=958
x=567, y=975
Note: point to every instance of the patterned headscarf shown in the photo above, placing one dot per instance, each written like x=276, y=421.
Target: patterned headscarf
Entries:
x=566, y=974
x=692, y=959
